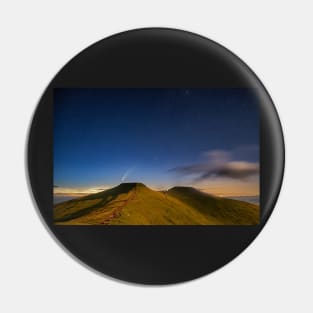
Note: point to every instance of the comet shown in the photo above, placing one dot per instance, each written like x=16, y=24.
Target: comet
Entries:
x=126, y=174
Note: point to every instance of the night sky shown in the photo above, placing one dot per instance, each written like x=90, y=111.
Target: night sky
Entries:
x=206, y=138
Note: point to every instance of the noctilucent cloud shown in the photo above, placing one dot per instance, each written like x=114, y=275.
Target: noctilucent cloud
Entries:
x=206, y=138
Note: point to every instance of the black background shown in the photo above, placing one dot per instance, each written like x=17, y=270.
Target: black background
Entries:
x=155, y=58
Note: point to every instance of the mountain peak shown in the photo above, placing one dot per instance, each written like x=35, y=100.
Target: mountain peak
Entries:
x=132, y=184
x=183, y=188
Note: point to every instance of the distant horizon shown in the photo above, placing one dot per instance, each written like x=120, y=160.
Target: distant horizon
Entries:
x=59, y=197
x=207, y=139
x=62, y=197
x=98, y=189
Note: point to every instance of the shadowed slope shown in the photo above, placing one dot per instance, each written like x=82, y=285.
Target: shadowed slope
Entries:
x=227, y=211
x=76, y=208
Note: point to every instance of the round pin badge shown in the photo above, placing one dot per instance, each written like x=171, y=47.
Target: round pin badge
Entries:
x=155, y=156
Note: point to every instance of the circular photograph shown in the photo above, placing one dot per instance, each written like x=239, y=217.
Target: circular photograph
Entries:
x=155, y=156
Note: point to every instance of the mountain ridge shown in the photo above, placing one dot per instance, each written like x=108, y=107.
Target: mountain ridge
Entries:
x=134, y=203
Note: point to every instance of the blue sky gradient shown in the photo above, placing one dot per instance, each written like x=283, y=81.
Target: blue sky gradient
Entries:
x=103, y=135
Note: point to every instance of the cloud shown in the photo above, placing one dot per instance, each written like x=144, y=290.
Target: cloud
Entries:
x=55, y=186
x=235, y=170
x=219, y=164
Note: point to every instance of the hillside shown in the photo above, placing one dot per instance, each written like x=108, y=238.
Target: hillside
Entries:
x=136, y=204
x=227, y=211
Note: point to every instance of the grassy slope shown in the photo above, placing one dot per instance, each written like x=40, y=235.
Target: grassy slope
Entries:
x=91, y=208
x=135, y=204
x=227, y=211
x=158, y=208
